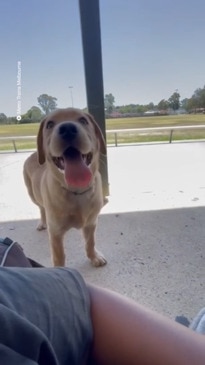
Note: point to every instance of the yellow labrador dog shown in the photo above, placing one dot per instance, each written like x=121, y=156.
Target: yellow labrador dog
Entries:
x=63, y=179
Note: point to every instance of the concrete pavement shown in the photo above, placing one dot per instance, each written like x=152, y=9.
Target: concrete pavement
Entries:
x=152, y=231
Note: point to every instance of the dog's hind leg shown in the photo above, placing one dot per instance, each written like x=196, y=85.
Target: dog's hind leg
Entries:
x=95, y=256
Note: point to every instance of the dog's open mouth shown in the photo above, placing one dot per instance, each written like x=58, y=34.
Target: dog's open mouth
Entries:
x=75, y=167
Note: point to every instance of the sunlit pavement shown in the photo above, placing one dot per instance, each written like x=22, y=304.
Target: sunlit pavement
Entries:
x=152, y=231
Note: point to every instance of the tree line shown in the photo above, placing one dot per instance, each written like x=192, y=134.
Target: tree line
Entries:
x=194, y=104
x=48, y=103
x=35, y=114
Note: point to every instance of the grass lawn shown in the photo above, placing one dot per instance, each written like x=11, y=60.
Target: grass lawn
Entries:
x=156, y=121
x=120, y=123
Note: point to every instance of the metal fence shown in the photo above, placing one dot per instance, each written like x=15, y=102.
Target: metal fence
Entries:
x=153, y=130
x=115, y=133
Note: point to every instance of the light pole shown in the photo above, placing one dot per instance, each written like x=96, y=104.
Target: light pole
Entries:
x=71, y=94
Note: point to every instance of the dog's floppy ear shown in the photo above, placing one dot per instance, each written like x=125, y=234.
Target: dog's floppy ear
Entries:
x=40, y=148
x=98, y=134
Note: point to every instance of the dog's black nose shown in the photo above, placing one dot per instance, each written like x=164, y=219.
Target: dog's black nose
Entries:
x=68, y=131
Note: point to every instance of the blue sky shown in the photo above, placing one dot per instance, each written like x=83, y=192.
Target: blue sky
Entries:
x=150, y=48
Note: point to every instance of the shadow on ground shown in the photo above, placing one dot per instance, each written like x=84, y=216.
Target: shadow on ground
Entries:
x=154, y=257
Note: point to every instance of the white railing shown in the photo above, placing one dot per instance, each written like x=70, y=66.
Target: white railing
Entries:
x=148, y=131
x=13, y=140
x=115, y=132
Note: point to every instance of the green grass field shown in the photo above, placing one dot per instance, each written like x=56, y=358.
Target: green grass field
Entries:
x=121, y=123
x=145, y=122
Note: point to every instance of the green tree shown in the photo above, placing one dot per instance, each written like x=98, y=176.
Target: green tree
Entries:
x=185, y=103
x=35, y=114
x=141, y=109
x=131, y=109
x=150, y=106
x=109, y=102
x=190, y=104
x=3, y=118
x=174, y=101
x=199, y=98
x=12, y=120
x=47, y=103
x=125, y=109
x=163, y=105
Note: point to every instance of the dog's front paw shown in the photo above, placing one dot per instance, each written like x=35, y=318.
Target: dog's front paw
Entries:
x=98, y=260
x=41, y=226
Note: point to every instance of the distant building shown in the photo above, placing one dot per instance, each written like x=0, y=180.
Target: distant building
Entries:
x=115, y=115
x=197, y=111
x=152, y=112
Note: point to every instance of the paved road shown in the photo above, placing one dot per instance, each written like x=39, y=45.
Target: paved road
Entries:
x=152, y=231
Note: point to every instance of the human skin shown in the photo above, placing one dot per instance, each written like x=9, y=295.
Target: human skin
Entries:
x=126, y=333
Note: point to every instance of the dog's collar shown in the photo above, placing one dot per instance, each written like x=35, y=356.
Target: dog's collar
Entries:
x=79, y=192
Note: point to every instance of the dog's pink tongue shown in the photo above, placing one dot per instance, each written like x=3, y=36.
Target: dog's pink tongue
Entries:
x=77, y=173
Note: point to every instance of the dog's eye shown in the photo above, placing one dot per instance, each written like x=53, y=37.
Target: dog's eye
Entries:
x=50, y=124
x=83, y=121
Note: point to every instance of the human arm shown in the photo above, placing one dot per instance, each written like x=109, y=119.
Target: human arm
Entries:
x=128, y=333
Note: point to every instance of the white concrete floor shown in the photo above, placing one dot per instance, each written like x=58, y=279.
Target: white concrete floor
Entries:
x=152, y=231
